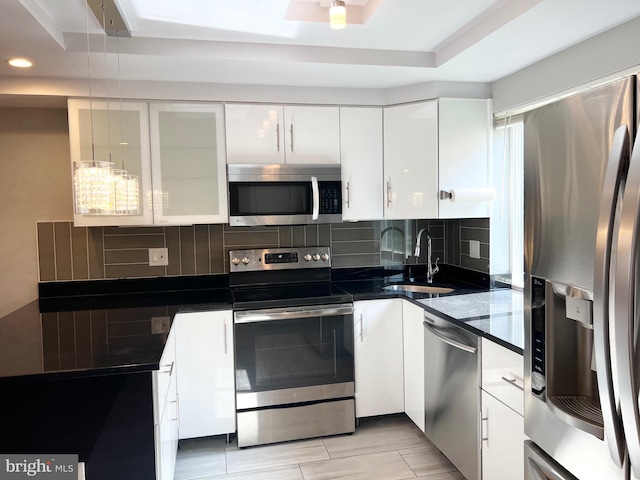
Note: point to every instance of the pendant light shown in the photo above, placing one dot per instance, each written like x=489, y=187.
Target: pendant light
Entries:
x=92, y=180
x=99, y=188
x=338, y=15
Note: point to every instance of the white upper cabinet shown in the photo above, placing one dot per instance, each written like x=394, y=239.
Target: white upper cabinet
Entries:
x=361, y=154
x=411, y=160
x=463, y=159
x=116, y=132
x=255, y=133
x=312, y=134
x=188, y=163
x=282, y=134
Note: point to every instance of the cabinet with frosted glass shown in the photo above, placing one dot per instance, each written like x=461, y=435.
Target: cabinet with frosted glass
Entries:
x=188, y=163
x=141, y=163
x=110, y=162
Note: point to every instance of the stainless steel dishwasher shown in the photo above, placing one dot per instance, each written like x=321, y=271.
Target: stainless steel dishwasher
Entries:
x=452, y=393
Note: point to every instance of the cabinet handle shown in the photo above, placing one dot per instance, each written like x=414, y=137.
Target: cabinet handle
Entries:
x=388, y=193
x=278, y=137
x=348, y=195
x=361, y=329
x=291, y=136
x=170, y=367
x=178, y=408
x=485, y=436
x=176, y=402
x=225, y=337
x=514, y=382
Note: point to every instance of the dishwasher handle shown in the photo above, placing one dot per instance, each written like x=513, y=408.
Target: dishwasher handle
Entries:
x=449, y=341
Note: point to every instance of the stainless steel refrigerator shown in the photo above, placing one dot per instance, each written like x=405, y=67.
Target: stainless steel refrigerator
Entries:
x=582, y=201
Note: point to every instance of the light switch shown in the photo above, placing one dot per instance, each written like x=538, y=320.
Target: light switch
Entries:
x=158, y=257
x=474, y=248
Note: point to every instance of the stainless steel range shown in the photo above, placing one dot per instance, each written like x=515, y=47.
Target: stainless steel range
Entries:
x=294, y=346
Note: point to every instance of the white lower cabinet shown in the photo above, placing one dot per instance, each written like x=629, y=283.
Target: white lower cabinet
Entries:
x=412, y=330
x=502, y=413
x=502, y=441
x=206, y=375
x=165, y=411
x=378, y=355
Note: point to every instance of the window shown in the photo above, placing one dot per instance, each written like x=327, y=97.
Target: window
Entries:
x=507, y=217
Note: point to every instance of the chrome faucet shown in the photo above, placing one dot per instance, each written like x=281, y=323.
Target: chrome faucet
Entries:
x=431, y=269
x=417, y=251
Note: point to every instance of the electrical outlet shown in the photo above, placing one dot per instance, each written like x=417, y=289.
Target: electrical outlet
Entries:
x=158, y=257
x=474, y=248
x=160, y=325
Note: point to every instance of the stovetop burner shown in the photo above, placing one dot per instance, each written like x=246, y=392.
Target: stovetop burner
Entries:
x=282, y=277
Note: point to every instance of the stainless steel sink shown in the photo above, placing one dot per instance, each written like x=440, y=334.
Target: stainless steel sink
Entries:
x=410, y=287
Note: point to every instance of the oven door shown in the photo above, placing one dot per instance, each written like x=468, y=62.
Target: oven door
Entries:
x=293, y=355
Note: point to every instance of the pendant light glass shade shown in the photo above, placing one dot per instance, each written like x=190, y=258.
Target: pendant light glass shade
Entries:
x=338, y=15
x=126, y=193
x=93, y=187
x=99, y=189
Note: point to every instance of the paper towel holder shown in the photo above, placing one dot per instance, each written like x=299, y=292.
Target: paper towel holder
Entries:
x=486, y=194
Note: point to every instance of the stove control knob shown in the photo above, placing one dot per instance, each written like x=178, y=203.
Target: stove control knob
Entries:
x=235, y=260
x=307, y=257
x=316, y=257
x=325, y=257
x=245, y=260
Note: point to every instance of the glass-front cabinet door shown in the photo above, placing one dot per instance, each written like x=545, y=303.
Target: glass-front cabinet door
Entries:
x=188, y=163
x=110, y=162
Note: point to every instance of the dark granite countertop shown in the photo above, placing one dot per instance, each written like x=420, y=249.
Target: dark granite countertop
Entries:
x=90, y=328
x=84, y=329
x=495, y=314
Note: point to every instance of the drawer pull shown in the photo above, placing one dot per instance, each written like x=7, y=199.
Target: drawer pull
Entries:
x=513, y=381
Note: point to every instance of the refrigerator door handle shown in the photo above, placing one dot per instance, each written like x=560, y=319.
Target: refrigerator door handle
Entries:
x=613, y=181
x=623, y=324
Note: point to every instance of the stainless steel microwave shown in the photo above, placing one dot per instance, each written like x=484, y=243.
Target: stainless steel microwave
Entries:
x=284, y=194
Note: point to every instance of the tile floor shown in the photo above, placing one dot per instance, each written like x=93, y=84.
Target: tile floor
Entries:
x=383, y=448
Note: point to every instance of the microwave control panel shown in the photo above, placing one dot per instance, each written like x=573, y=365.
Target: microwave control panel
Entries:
x=330, y=198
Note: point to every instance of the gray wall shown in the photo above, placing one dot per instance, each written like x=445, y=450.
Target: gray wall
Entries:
x=596, y=58
x=34, y=177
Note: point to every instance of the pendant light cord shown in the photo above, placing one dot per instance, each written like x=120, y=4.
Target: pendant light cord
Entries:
x=93, y=148
x=120, y=92
x=106, y=80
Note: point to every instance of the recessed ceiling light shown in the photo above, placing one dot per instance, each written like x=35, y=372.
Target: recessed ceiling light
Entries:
x=20, y=62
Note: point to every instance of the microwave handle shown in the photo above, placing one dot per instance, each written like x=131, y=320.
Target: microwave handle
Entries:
x=316, y=198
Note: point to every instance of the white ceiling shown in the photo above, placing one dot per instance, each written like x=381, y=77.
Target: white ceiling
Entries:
x=403, y=42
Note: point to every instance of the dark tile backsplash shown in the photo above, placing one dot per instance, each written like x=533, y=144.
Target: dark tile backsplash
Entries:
x=66, y=252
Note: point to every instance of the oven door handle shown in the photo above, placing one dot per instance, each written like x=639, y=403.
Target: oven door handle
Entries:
x=253, y=316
